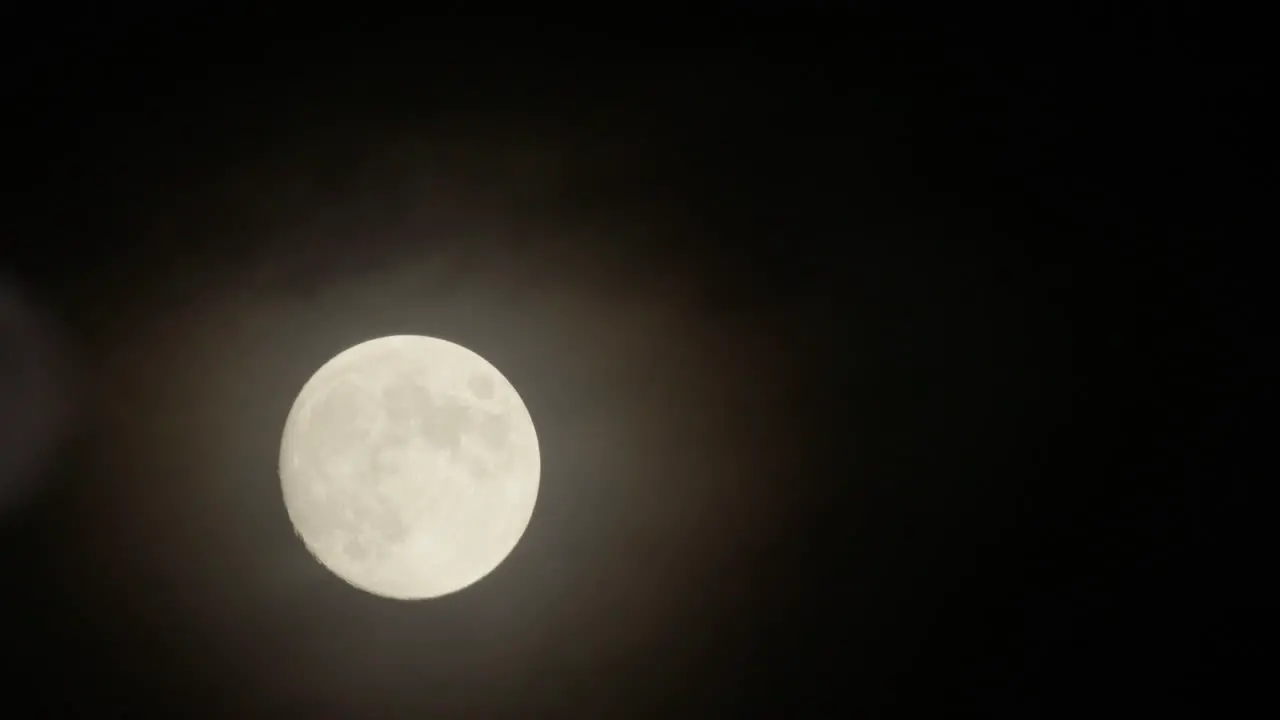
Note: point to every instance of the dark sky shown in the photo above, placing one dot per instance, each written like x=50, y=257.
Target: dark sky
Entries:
x=877, y=367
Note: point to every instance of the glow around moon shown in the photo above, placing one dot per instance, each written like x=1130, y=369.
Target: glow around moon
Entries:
x=409, y=466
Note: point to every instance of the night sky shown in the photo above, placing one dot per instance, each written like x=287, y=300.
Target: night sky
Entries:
x=879, y=369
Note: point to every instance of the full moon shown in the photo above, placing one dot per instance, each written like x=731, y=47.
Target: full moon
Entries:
x=409, y=466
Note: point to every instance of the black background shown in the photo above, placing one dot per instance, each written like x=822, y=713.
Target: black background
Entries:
x=879, y=367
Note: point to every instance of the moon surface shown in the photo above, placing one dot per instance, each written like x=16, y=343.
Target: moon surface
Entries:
x=409, y=466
